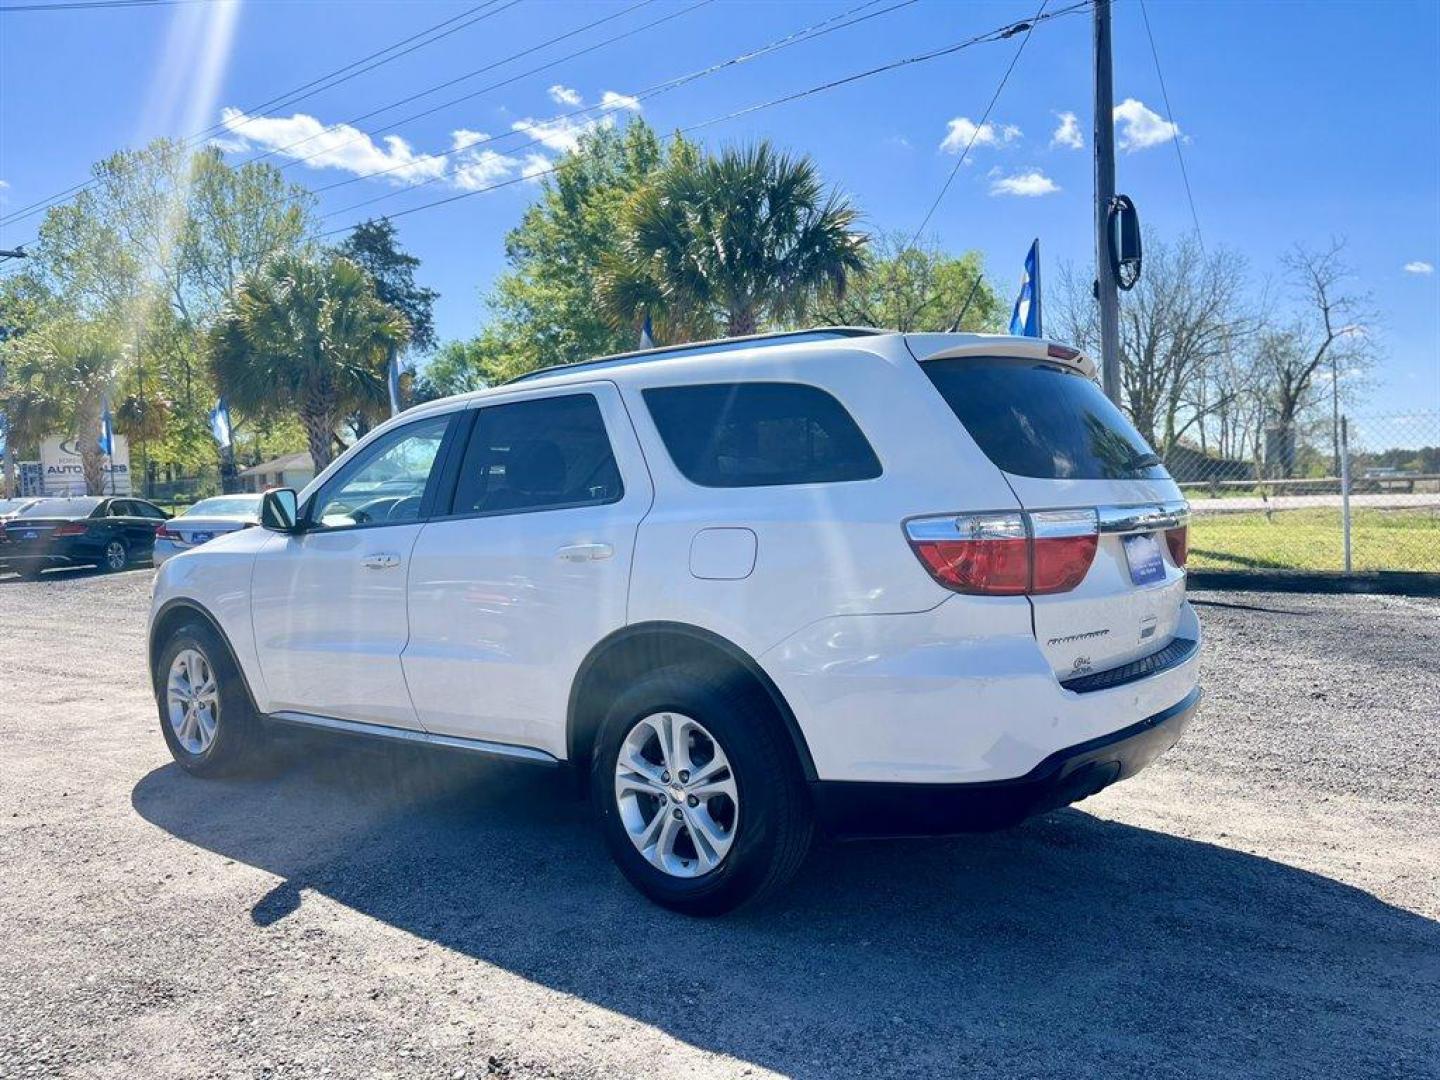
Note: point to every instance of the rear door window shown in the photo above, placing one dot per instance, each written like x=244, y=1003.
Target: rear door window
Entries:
x=544, y=453
x=760, y=434
x=1033, y=419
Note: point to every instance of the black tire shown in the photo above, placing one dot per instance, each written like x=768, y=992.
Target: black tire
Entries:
x=124, y=560
x=31, y=572
x=775, y=821
x=239, y=733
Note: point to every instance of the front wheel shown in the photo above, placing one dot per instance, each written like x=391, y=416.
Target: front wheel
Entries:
x=699, y=795
x=206, y=716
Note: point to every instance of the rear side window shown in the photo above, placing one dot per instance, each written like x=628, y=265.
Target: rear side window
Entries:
x=760, y=434
x=1032, y=419
x=542, y=454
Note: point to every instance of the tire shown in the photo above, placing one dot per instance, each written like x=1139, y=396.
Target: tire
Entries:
x=31, y=572
x=234, y=740
x=769, y=822
x=115, y=558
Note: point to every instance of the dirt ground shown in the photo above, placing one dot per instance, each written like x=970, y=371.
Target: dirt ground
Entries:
x=1265, y=901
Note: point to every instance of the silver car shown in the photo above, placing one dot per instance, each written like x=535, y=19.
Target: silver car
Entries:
x=204, y=521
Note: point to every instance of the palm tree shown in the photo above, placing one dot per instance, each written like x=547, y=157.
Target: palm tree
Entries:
x=63, y=372
x=308, y=337
x=735, y=240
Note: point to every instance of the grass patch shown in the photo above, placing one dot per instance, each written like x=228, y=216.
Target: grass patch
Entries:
x=1312, y=540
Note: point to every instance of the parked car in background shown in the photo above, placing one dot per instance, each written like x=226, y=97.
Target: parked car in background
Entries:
x=87, y=530
x=10, y=507
x=204, y=521
x=864, y=582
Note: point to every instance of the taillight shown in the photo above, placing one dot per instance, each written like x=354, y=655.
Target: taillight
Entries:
x=975, y=553
x=1178, y=541
x=70, y=528
x=1065, y=543
x=1007, y=554
x=162, y=532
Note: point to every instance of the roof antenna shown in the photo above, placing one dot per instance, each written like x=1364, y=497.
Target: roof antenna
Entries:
x=956, y=324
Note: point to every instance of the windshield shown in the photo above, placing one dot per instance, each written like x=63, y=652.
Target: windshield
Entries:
x=9, y=506
x=61, y=508
x=226, y=506
x=1032, y=419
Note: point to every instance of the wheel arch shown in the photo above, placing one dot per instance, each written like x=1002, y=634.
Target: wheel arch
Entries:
x=174, y=614
x=643, y=647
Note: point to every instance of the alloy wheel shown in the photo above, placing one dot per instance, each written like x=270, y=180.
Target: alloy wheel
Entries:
x=192, y=701
x=115, y=555
x=677, y=795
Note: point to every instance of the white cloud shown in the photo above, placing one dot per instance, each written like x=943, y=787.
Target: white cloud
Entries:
x=564, y=95
x=562, y=133
x=610, y=99
x=4, y=184
x=334, y=146
x=1068, y=133
x=1141, y=127
x=1029, y=183
x=962, y=132
x=1419, y=267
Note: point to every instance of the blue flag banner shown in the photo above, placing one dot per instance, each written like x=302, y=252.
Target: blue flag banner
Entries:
x=394, y=380
x=107, y=429
x=220, y=424
x=647, y=334
x=1025, y=320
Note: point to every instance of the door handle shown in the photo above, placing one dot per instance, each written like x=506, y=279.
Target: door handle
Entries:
x=381, y=560
x=585, y=552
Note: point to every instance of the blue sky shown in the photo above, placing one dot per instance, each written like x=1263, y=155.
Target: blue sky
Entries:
x=1299, y=122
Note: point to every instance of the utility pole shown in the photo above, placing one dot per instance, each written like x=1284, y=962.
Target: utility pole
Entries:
x=1106, y=292
x=11, y=467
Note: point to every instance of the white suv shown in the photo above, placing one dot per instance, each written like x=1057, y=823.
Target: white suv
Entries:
x=874, y=583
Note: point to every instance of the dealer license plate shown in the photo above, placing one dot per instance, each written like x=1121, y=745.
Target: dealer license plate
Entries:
x=1142, y=554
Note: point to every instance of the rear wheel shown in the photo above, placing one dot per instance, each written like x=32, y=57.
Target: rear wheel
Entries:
x=206, y=716
x=116, y=557
x=699, y=795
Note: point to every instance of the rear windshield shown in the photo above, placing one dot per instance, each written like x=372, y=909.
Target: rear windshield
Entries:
x=61, y=508
x=1032, y=419
x=226, y=506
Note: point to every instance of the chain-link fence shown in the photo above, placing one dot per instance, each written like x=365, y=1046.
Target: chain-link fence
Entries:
x=1359, y=495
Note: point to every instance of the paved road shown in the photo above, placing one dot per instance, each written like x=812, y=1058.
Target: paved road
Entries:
x=1263, y=902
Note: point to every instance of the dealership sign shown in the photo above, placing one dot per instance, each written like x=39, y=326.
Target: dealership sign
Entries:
x=62, y=473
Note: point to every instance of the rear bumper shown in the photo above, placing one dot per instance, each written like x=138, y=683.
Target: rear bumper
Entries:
x=850, y=809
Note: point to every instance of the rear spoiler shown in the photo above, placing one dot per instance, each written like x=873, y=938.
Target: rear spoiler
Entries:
x=957, y=346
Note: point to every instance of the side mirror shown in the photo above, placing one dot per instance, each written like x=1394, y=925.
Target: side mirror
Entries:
x=280, y=510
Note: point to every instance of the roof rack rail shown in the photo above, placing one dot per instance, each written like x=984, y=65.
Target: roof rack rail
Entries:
x=819, y=333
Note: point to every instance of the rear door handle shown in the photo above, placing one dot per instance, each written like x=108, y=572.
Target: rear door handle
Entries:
x=585, y=552
x=381, y=560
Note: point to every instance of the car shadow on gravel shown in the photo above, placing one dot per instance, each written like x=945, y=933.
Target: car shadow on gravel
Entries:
x=1069, y=945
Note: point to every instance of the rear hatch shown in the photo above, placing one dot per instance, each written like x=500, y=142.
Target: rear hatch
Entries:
x=1090, y=488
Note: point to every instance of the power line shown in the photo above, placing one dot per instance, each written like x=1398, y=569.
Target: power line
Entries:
x=934, y=54
x=478, y=71
x=825, y=26
x=1028, y=28
x=1170, y=112
x=290, y=97
x=96, y=5
x=808, y=33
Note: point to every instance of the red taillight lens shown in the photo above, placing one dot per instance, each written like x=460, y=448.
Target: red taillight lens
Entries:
x=1178, y=541
x=70, y=528
x=1007, y=554
x=163, y=532
x=1065, y=544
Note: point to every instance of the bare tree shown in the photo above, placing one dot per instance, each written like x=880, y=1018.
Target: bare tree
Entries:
x=1182, y=322
x=1333, y=333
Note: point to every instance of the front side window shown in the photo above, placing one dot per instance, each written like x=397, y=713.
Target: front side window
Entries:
x=385, y=484
x=760, y=434
x=542, y=454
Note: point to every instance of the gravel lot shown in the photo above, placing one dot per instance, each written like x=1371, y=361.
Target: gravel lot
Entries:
x=1265, y=901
